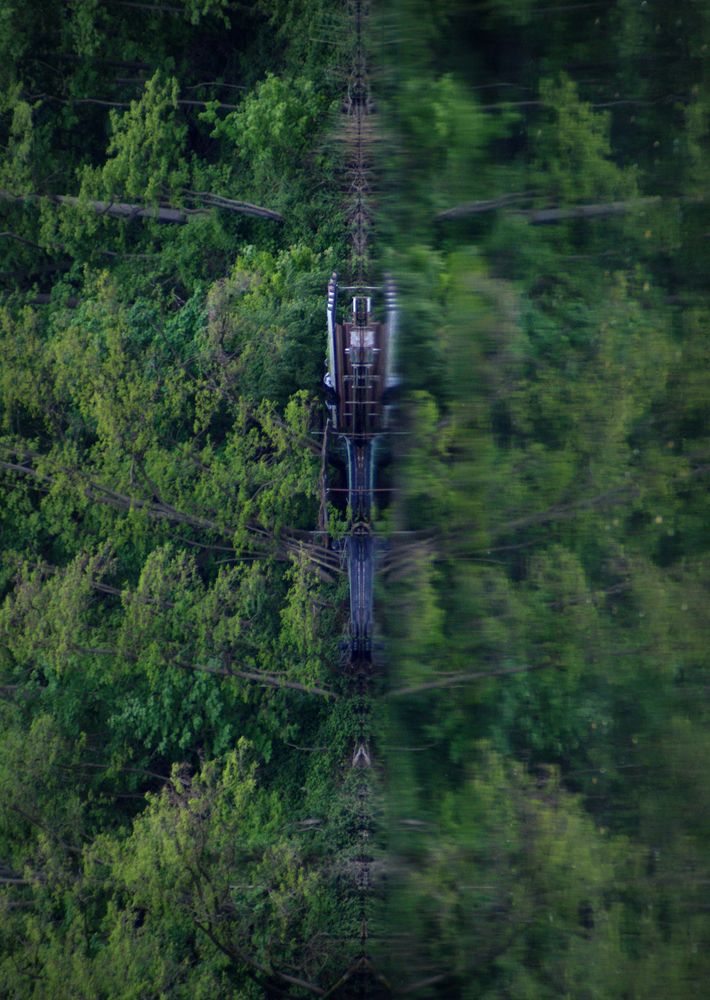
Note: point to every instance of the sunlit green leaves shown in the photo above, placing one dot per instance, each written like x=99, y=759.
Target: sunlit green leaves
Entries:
x=573, y=159
x=146, y=154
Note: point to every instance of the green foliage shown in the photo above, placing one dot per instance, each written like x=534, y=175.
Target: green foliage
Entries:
x=276, y=137
x=260, y=901
x=264, y=323
x=146, y=152
x=195, y=10
x=515, y=889
x=17, y=165
x=86, y=26
x=572, y=151
x=206, y=891
x=547, y=663
x=441, y=119
x=161, y=605
x=177, y=810
x=272, y=128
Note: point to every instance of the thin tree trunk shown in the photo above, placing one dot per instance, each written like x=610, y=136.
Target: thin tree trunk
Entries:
x=122, y=768
x=230, y=205
x=43, y=826
x=103, y=103
x=152, y=7
x=609, y=498
x=263, y=679
x=322, y=482
x=60, y=246
x=504, y=105
x=74, y=57
x=8, y=235
x=422, y=983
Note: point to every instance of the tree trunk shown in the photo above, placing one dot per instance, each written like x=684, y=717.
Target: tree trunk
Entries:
x=166, y=213
x=152, y=7
x=103, y=103
x=469, y=208
x=543, y=216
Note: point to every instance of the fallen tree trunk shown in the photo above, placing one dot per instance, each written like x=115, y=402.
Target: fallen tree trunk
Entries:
x=165, y=213
x=543, y=216
x=469, y=208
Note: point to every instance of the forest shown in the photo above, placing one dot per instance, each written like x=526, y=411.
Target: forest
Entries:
x=180, y=816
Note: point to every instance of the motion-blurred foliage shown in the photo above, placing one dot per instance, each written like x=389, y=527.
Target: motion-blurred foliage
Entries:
x=547, y=733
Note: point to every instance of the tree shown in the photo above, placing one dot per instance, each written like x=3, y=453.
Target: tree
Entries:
x=572, y=158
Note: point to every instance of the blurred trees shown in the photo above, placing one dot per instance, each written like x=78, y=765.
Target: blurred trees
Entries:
x=549, y=648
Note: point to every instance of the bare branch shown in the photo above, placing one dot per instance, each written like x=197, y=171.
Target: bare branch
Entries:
x=265, y=680
x=241, y=957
